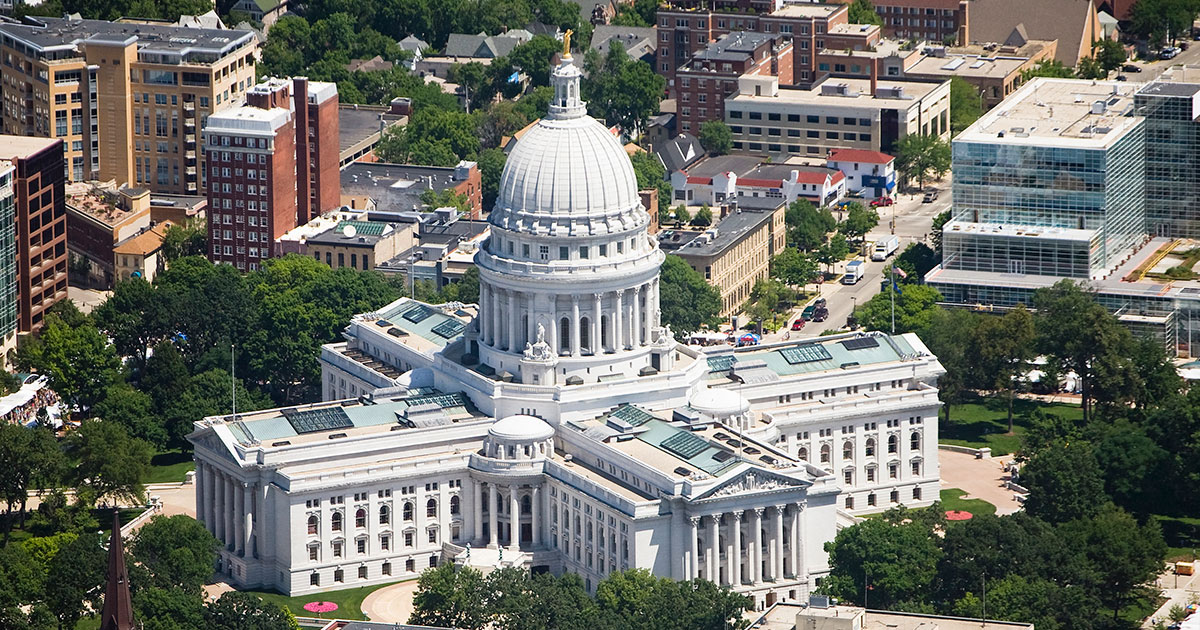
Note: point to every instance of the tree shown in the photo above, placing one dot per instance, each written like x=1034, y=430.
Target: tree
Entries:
x=637, y=599
x=946, y=336
x=74, y=354
x=704, y=217
x=168, y=609
x=920, y=157
x=246, y=611
x=966, y=105
x=28, y=457
x=447, y=198
x=177, y=551
x=916, y=260
x=716, y=137
x=895, y=562
x=1158, y=20
x=135, y=317
x=450, y=596
x=682, y=215
x=133, y=410
x=624, y=92
x=863, y=12
x=794, y=268
x=935, y=232
x=1122, y=554
x=651, y=173
x=533, y=58
x=914, y=308
x=686, y=300
x=432, y=137
x=1004, y=349
x=859, y=220
x=110, y=463
x=1109, y=53
x=807, y=225
x=166, y=376
x=186, y=239
x=1064, y=482
x=836, y=249
x=1090, y=68
x=75, y=579
x=491, y=166
x=208, y=394
x=1048, y=68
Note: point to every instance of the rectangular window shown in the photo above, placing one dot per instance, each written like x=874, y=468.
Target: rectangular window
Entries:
x=563, y=253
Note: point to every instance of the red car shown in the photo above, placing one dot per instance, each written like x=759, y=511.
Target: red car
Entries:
x=882, y=202
x=798, y=324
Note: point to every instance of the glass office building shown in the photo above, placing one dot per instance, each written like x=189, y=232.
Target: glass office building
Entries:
x=1172, y=158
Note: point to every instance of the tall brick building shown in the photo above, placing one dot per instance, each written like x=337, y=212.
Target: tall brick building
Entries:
x=712, y=74
x=41, y=225
x=686, y=29
x=937, y=21
x=272, y=165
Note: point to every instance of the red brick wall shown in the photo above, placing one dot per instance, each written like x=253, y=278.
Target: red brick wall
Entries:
x=326, y=154
x=41, y=251
x=281, y=172
x=472, y=187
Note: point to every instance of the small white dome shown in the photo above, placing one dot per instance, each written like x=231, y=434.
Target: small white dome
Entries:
x=719, y=403
x=521, y=428
x=416, y=378
x=569, y=166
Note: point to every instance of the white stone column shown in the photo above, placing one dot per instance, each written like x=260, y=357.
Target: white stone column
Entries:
x=651, y=309
x=714, y=549
x=755, y=552
x=239, y=520
x=481, y=319
x=777, y=547
x=512, y=321
x=619, y=327
x=476, y=509
x=575, y=326
x=535, y=513
x=494, y=324
x=801, y=541
x=247, y=520
x=735, y=560
x=230, y=509
x=218, y=491
x=694, y=559
x=493, y=521
x=636, y=311
x=597, y=348
x=260, y=520
x=794, y=541
x=729, y=554
x=198, y=480
x=514, y=518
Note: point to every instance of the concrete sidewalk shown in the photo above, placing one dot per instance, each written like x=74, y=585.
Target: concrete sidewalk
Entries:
x=979, y=478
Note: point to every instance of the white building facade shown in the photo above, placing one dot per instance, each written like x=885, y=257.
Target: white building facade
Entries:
x=559, y=427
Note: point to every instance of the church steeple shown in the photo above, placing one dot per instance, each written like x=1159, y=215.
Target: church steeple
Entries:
x=118, y=607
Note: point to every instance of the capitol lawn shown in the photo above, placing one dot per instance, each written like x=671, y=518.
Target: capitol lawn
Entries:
x=984, y=422
x=169, y=467
x=952, y=500
x=349, y=601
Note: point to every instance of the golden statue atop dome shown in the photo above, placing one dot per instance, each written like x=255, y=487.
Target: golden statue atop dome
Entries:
x=567, y=43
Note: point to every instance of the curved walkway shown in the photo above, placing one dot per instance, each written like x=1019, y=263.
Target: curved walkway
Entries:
x=979, y=478
x=391, y=604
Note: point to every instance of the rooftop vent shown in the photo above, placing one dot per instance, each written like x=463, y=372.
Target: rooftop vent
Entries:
x=1099, y=107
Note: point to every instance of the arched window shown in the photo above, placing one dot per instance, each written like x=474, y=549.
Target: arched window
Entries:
x=408, y=511
x=385, y=515
x=847, y=450
x=870, y=447
x=526, y=505
x=825, y=453
x=455, y=503
x=313, y=524
x=564, y=334
x=914, y=441
x=893, y=444
x=431, y=508
x=336, y=521
x=803, y=454
x=360, y=518
x=585, y=334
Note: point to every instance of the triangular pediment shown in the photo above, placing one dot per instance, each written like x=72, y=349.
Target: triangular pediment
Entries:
x=208, y=439
x=754, y=481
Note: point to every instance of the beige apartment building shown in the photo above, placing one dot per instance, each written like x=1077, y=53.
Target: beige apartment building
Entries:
x=735, y=253
x=127, y=100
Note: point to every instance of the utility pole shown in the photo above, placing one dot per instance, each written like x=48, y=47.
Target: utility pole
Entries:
x=233, y=376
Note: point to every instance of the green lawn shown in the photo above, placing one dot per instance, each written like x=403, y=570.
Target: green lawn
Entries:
x=985, y=422
x=168, y=467
x=349, y=601
x=1182, y=535
x=952, y=501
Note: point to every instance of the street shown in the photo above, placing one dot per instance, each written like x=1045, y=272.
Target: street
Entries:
x=913, y=221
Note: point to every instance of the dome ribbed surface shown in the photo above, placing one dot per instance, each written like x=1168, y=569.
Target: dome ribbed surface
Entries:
x=568, y=167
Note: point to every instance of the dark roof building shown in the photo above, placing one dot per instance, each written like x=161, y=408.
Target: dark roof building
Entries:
x=398, y=187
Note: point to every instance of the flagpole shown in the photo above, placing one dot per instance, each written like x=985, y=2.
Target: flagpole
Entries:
x=892, y=290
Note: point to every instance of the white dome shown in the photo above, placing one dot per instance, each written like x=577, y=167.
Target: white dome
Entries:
x=720, y=403
x=571, y=166
x=521, y=428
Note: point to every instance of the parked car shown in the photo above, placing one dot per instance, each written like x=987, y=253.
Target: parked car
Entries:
x=798, y=324
x=807, y=313
x=1131, y=67
x=821, y=314
x=819, y=302
x=930, y=196
x=843, y=204
x=1121, y=77
x=882, y=202
x=1170, y=52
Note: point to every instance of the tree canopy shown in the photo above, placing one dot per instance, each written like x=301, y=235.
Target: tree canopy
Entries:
x=686, y=299
x=621, y=90
x=716, y=137
x=966, y=105
x=920, y=157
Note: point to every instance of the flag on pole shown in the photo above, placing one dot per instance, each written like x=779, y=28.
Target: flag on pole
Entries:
x=899, y=272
